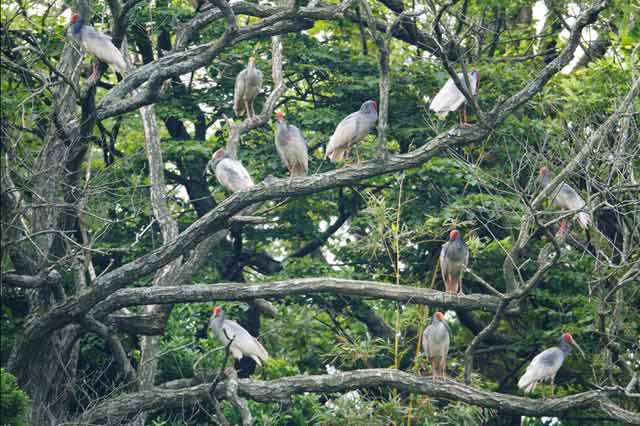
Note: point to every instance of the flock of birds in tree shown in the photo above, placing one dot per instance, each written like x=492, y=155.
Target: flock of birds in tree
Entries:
x=292, y=148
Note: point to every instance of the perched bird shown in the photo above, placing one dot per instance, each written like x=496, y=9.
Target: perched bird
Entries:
x=454, y=258
x=242, y=342
x=248, y=85
x=291, y=146
x=449, y=98
x=351, y=130
x=566, y=198
x=230, y=173
x=435, y=344
x=97, y=44
x=546, y=364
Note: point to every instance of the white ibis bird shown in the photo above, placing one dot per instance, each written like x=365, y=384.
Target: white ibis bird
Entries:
x=351, y=130
x=454, y=258
x=97, y=44
x=242, y=342
x=450, y=98
x=230, y=172
x=566, y=198
x=546, y=364
x=291, y=146
x=248, y=85
x=435, y=344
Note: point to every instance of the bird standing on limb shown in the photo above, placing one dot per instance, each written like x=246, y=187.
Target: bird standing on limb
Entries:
x=435, y=344
x=242, y=342
x=566, y=198
x=351, y=130
x=97, y=44
x=450, y=98
x=291, y=146
x=229, y=172
x=546, y=364
x=454, y=258
x=248, y=85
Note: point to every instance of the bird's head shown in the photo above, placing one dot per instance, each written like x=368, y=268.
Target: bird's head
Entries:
x=544, y=171
x=219, y=154
x=564, y=226
x=453, y=235
x=252, y=60
x=75, y=18
x=369, y=107
x=439, y=316
x=568, y=338
x=217, y=311
x=279, y=115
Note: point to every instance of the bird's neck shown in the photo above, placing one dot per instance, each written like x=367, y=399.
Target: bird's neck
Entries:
x=77, y=27
x=565, y=347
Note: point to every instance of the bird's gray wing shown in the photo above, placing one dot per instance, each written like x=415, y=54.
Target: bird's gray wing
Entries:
x=443, y=261
x=425, y=340
x=345, y=132
x=238, y=92
x=232, y=175
x=248, y=344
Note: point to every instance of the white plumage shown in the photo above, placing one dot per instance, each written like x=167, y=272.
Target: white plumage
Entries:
x=567, y=198
x=242, y=342
x=351, y=130
x=230, y=172
x=449, y=98
x=248, y=85
x=544, y=366
x=435, y=344
x=97, y=44
x=291, y=146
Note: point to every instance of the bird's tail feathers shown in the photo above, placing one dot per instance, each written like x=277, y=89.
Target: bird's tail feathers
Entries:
x=584, y=219
x=526, y=382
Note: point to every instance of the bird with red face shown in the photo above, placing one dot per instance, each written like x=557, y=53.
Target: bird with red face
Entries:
x=454, y=258
x=566, y=198
x=546, y=364
x=291, y=146
x=351, y=130
x=435, y=344
x=97, y=44
x=230, y=172
x=242, y=342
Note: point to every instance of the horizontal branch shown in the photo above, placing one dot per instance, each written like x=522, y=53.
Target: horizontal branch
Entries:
x=247, y=291
x=30, y=281
x=126, y=405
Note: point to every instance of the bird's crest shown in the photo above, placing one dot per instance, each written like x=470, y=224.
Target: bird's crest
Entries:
x=454, y=234
x=75, y=18
x=217, y=310
x=279, y=115
x=543, y=171
x=252, y=60
x=439, y=316
x=567, y=337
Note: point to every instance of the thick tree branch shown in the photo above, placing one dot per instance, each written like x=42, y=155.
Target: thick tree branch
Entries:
x=246, y=291
x=123, y=406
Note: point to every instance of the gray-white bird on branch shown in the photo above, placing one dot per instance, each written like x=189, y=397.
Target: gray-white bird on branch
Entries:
x=248, y=85
x=546, y=364
x=97, y=44
x=454, y=258
x=435, y=344
x=230, y=172
x=351, y=130
x=291, y=146
x=450, y=98
x=242, y=342
x=566, y=198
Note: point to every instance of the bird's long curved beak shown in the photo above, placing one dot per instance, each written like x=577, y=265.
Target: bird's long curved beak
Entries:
x=447, y=326
x=573, y=342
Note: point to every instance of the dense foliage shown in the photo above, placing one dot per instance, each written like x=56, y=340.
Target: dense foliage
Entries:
x=388, y=228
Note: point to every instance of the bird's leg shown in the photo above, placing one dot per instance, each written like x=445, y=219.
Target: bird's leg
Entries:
x=246, y=108
x=357, y=155
x=463, y=120
x=443, y=368
x=94, y=75
x=460, y=292
x=433, y=369
x=553, y=379
x=542, y=389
